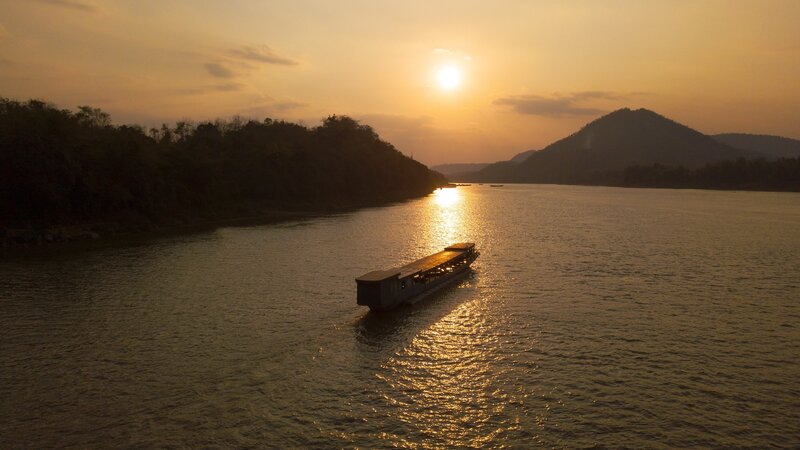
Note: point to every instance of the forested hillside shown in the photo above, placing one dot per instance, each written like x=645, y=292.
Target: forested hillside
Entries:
x=59, y=166
x=601, y=150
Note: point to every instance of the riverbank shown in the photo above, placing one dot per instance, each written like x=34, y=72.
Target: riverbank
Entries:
x=747, y=187
x=21, y=235
x=34, y=235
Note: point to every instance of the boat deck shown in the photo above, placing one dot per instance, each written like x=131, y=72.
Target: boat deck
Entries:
x=428, y=262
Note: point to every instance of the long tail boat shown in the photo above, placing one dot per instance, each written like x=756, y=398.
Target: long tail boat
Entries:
x=386, y=289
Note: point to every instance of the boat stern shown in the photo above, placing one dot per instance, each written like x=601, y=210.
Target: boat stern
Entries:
x=378, y=289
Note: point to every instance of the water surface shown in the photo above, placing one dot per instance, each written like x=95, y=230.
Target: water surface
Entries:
x=595, y=316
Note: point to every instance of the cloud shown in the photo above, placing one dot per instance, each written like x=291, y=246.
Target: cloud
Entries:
x=541, y=106
x=605, y=95
x=71, y=4
x=228, y=87
x=224, y=87
x=261, y=54
x=287, y=105
x=219, y=71
x=269, y=107
x=245, y=60
x=451, y=54
x=560, y=105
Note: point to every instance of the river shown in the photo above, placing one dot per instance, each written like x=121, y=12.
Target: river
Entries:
x=594, y=317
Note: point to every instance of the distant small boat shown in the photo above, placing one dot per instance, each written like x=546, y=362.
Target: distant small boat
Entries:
x=463, y=184
x=495, y=185
x=387, y=289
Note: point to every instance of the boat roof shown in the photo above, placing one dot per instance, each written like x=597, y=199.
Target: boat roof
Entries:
x=461, y=246
x=420, y=265
x=428, y=262
x=378, y=275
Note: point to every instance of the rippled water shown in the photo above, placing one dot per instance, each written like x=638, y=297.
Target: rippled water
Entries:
x=595, y=316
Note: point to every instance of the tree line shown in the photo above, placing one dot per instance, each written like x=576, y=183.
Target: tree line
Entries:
x=741, y=174
x=60, y=166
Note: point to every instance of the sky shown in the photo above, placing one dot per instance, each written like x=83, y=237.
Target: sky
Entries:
x=444, y=81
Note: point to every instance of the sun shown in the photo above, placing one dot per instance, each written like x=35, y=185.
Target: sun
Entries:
x=449, y=78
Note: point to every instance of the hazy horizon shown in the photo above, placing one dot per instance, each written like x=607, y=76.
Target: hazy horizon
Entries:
x=455, y=82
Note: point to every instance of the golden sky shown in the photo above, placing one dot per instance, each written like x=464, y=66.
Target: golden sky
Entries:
x=530, y=71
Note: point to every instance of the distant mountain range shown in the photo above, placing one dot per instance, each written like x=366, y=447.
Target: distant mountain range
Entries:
x=770, y=147
x=603, y=149
x=451, y=170
x=459, y=169
x=519, y=157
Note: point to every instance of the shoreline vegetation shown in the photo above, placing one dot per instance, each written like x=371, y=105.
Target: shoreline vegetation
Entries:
x=781, y=175
x=69, y=176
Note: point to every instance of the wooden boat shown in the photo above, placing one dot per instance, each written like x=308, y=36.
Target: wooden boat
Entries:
x=387, y=289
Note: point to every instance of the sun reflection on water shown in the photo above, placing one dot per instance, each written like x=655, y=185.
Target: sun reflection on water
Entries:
x=446, y=218
x=441, y=382
x=446, y=197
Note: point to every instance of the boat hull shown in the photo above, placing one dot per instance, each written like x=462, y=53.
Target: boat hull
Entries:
x=439, y=285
